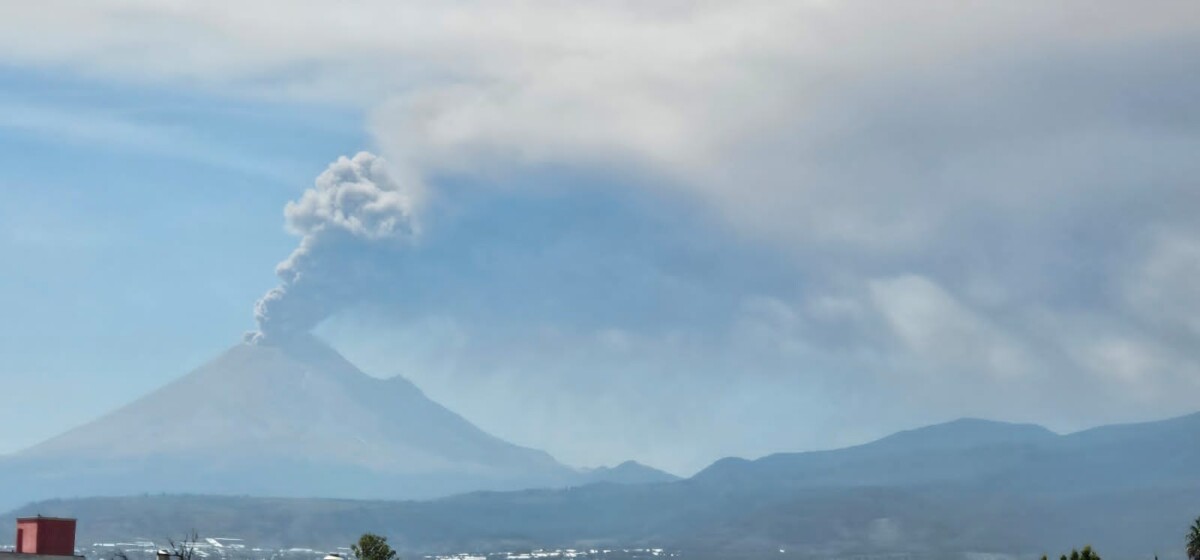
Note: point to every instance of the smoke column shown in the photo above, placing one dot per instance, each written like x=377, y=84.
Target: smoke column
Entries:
x=354, y=209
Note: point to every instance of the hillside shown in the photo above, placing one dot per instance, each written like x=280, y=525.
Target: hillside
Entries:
x=629, y=472
x=943, y=491
x=292, y=419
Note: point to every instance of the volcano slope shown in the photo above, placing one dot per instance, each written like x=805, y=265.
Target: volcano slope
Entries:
x=290, y=418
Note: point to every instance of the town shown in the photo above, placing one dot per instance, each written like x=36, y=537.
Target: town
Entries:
x=53, y=538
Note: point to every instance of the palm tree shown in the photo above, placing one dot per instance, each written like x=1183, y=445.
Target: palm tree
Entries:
x=1193, y=541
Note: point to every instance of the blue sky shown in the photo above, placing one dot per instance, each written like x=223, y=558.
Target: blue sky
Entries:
x=139, y=225
x=669, y=234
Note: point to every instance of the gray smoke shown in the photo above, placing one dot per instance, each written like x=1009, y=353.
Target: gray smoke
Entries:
x=354, y=211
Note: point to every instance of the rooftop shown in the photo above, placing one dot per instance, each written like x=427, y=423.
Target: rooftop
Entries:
x=9, y=555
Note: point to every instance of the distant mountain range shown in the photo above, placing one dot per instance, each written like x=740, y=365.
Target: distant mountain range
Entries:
x=292, y=418
x=629, y=472
x=964, y=490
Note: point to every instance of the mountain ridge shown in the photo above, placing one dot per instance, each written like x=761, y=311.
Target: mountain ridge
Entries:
x=1040, y=494
x=284, y=398
x=297, y=408
x=628, y=472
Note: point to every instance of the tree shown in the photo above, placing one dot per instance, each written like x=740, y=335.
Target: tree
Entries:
x=373, y=547
x=184, y=549
x=1193, y=540
x=176, y=550
x=1086, y=554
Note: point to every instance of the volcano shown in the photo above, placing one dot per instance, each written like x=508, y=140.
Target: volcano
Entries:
x=291, y=418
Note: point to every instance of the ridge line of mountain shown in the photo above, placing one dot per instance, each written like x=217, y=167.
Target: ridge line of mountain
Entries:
x=1130, y=490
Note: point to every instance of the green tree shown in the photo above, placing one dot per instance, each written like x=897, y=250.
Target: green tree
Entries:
x=372, y=547
x=1086, y=554
x=1193, y=540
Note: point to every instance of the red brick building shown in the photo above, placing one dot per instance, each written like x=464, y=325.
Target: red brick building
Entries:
x=43, y=538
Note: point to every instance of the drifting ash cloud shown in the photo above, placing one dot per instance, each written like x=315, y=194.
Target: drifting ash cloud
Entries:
x=354, y=209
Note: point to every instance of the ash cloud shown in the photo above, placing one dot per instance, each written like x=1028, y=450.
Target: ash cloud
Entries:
x=354, y=210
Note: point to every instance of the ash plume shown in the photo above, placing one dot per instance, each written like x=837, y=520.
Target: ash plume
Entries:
x=354, y=210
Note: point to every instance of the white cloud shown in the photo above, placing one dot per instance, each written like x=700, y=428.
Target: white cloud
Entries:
x=1164, y=287
x=117, y=132
x=942, y=332
x=874, y=126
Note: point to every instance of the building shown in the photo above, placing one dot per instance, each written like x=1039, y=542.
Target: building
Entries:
x=43, y=538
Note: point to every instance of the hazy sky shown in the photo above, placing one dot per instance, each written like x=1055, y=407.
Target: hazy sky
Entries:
x=669, y=231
